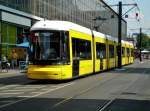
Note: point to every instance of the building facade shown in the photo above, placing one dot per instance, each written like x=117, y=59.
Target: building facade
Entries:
x=17, y=16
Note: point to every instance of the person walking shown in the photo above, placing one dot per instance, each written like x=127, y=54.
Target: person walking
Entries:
x=14, y=59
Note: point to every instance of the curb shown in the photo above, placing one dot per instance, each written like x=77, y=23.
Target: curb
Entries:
x=10, y=72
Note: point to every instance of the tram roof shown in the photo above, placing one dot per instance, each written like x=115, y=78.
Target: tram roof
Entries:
x=60, y=26
x=66, y=26
x=111, y=38
x=98, y=34
x=127, y=42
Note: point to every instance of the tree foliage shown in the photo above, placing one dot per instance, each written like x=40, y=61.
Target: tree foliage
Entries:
x=145, y=41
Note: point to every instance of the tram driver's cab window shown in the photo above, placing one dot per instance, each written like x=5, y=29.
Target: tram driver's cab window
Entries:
x=50, y=46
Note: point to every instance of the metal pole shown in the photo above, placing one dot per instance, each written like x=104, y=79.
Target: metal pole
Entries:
x=120, y=35
x=140, y=44
x=0, y=46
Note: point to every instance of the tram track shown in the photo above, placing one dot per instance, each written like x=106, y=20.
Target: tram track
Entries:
x=101, y=107
x=110, y=102
x=106, y=104
x=86, y=91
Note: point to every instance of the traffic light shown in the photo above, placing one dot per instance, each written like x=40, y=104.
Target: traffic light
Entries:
x=126, y=16
x=136, y=15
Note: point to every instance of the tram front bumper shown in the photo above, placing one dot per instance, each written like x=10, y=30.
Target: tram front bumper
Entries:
x=44, y=73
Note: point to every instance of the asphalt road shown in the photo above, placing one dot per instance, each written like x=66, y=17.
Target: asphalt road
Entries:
x=115, y=90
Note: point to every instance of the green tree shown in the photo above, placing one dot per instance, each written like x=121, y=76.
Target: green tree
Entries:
x=145, y=41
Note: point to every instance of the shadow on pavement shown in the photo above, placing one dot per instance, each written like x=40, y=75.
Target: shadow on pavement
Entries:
x=51, y=104
x=56, y=104
x=129, y=105
x=133, y=70
x=13, y=80
x=23, y=80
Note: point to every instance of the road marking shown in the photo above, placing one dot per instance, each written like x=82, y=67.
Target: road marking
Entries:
x=54, y=86
x=7, y=101
x=8, y=86
x=8, y=93
x=5, y=105
x=19, y=90
x=37, y=92
x=105, y=106
x=26, y=89
x=20, y=84
x=80, y=93
x=5, y=73
x=24, y=96
x=30, y=87
x=62, y=102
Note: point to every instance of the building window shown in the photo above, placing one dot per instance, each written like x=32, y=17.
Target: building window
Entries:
x=8, y=37
x=19, y=35
x=22, y=35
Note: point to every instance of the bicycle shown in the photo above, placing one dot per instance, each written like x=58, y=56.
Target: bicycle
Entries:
x=4, y=66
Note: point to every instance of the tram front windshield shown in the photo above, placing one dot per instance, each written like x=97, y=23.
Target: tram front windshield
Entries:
x=49, y=47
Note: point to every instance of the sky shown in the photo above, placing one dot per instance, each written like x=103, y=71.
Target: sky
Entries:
x=144, y=14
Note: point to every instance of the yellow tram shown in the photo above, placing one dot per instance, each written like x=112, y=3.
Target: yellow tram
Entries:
x=64, y=50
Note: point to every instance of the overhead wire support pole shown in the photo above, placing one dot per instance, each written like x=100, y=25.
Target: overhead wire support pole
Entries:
x=140, y=44
x=120, y=35
x=120, y=29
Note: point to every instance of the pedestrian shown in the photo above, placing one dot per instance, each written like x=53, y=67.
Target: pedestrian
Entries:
x=14, y=58
x=0, y=61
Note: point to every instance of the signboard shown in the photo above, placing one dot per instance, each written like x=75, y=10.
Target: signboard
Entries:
x=8, y=17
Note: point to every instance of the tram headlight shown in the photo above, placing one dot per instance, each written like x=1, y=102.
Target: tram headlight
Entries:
x=30, y=63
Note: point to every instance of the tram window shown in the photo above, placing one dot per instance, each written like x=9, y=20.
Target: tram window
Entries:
x=128, y=52
x=100, y=50
x=111, y=51
x=81, y=49
x=117, y=49
x=132, y=52
x=123, y=52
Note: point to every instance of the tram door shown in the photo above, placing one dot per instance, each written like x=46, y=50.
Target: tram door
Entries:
x=101, y=53
x=75, y=68
x=75, y=57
